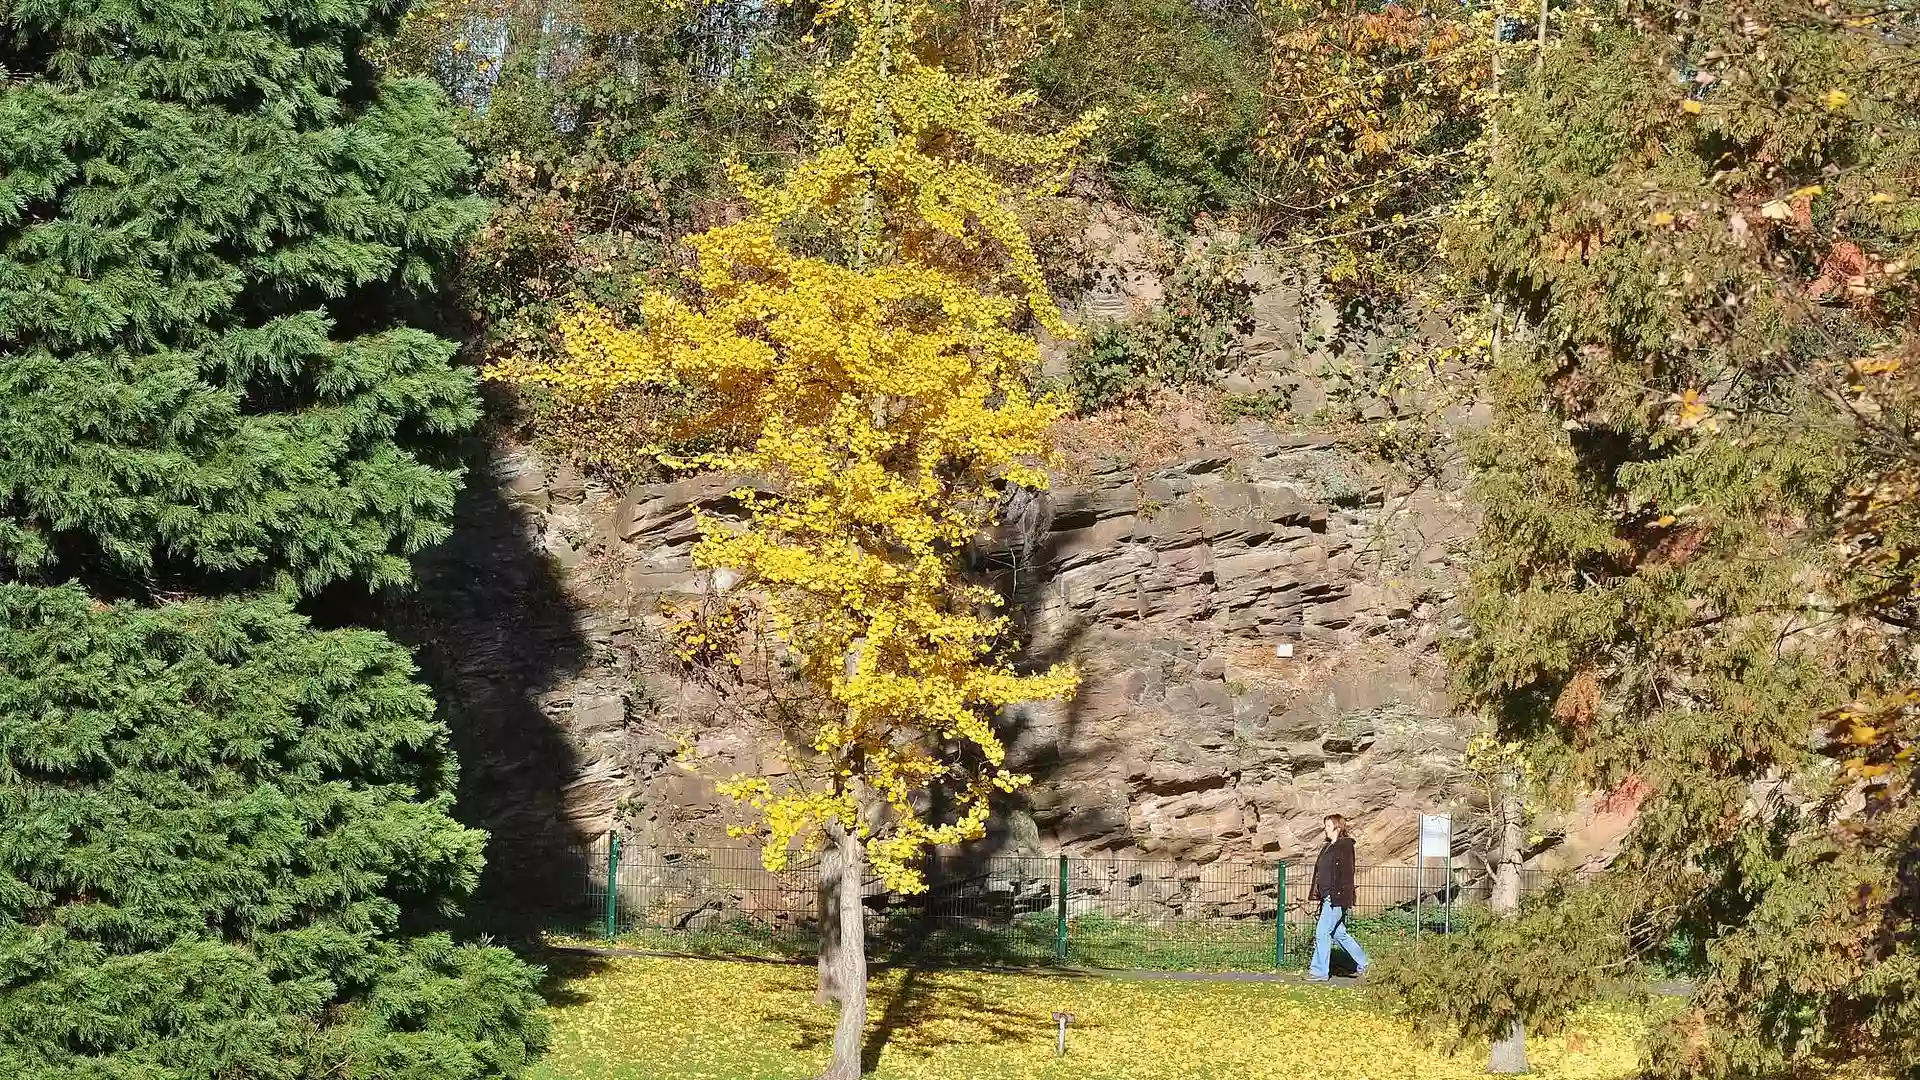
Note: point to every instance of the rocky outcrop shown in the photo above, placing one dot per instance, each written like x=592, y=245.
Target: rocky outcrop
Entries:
x=1250, y=658
x=1256, y=649
x=1255, y=614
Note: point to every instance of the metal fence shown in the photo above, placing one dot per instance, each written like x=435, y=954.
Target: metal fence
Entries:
x=1006, y=910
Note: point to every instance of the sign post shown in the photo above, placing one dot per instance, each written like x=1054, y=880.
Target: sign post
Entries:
x=1436, y=842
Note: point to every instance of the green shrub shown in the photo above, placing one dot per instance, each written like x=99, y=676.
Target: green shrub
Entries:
x=1182, y=90
x=1190, y=340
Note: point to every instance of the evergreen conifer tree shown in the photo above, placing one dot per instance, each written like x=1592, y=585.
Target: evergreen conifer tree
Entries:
x=217, y=818
x=1695, y=585
x=212, y=220
x=224, y=828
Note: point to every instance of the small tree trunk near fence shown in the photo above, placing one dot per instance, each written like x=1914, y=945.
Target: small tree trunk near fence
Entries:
x=1509, y=1054
x=848, y=961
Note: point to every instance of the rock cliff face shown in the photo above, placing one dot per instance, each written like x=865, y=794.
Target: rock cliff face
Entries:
x=1254, y=652
x=1250, y=660
x=1256, y=618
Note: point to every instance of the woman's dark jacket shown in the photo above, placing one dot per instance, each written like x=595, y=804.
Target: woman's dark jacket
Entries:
x=1333, y=874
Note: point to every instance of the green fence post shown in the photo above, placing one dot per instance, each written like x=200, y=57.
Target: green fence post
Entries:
x=1280, y=917
x=613, y=884
x=1060, y=917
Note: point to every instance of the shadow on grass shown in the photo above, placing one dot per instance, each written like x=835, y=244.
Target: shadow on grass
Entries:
x=897, y=1014
x=920, y=1012
x=565, y=969
x=921, y=1008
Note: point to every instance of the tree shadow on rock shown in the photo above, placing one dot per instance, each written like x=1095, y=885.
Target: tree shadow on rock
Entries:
x=987, y=901
x=493, y=631
x=1044, y=742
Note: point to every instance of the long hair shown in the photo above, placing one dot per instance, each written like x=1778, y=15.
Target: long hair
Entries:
x=1339, y=823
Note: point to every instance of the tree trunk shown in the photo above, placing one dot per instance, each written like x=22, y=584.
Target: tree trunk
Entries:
x=850, y=961
x=1509, y=1054
x=1540, y=53
x=1510, y=848
x=827, y=897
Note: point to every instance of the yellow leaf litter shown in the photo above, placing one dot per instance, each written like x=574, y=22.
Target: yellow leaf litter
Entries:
x=641, y=1019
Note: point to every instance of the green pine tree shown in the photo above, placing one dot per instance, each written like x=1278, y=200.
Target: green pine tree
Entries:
x=225, y=829
x=212, y=222
x=216, y=820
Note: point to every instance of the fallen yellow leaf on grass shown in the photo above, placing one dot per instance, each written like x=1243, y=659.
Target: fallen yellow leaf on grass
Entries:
x=660, y=1019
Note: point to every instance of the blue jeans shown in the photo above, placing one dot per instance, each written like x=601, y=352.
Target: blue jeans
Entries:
x=1333, y=931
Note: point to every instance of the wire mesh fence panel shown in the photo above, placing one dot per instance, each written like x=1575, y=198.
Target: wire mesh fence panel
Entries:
x=1395, y=905
x=1397, y=902
x=1010, y=910
x=1163, y=915
x=580, y=905
x=997, y=911
x=1380, y=918
x=721, y=900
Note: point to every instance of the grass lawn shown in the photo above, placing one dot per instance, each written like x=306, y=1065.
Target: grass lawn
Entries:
x=633, y=1018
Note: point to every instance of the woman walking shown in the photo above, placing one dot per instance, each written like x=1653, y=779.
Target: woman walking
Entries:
x=1333, y=888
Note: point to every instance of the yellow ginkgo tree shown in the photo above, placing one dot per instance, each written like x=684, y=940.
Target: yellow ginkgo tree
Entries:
x=861, y=346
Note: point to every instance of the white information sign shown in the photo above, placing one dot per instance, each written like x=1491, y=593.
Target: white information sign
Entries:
x=1436, y=836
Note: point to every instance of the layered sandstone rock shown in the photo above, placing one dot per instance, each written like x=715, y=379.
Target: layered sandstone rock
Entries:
x=1253, y=654
x=1256, y=615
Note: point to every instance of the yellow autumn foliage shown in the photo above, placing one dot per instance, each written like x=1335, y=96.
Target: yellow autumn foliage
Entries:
x=1375, y=111
x=857, y=344
x=657, y=1019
